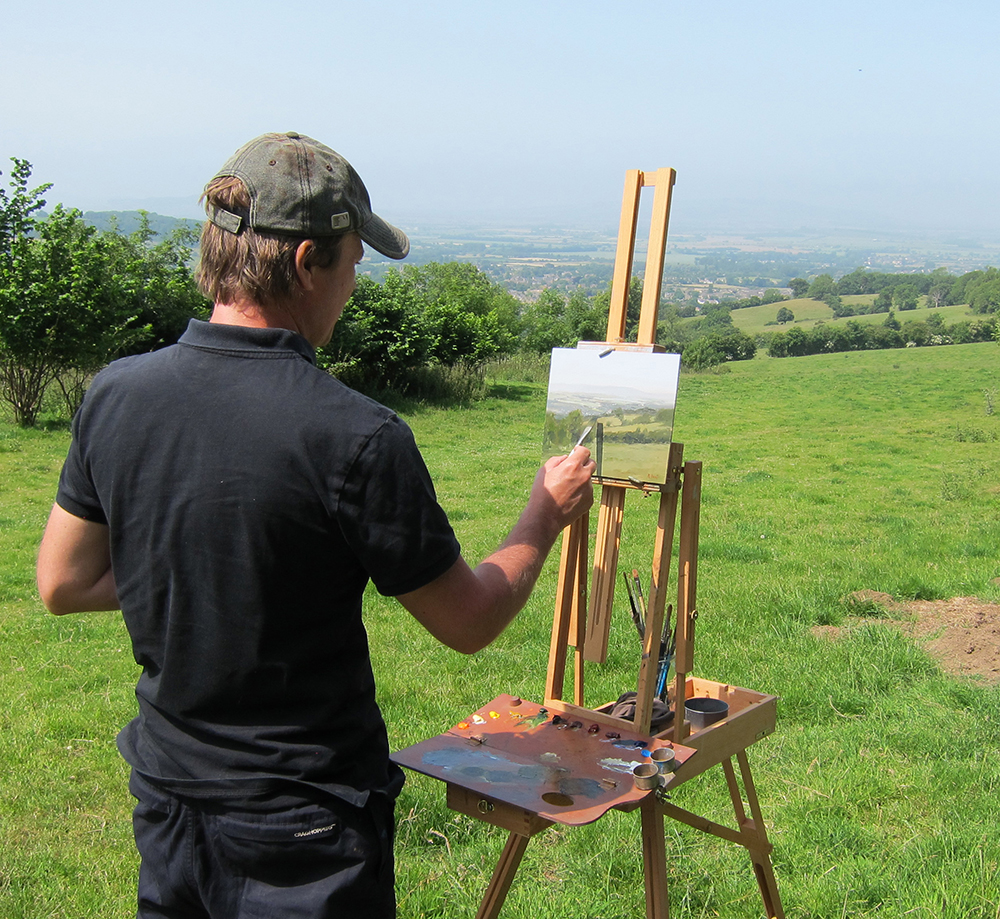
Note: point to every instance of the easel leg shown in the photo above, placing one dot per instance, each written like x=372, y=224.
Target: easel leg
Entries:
x=654, y=860
x=753, y=831
x=503, y=876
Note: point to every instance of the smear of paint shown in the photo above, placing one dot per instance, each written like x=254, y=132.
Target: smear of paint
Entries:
x=478, y=719
x=549, y=758
x=533, y=773
x=630, y=744
x=536, y=720
x=458, y=756
x=617, y=765
x=482, y=765
x=494, y=714
x=586, y=788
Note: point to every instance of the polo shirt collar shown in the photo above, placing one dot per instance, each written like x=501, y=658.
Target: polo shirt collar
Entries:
x=216, y=336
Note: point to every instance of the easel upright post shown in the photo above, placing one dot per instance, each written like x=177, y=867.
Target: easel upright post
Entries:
x=687, y=585
x=653, y=275
x=624, y=255
x=662, y=556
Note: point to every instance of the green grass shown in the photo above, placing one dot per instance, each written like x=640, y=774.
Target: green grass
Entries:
x=822, y=475
x=755, y=320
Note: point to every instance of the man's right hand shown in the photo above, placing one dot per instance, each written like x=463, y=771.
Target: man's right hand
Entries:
x=563, y=489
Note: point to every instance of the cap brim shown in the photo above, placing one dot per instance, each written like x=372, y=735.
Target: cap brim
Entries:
x=385, y=238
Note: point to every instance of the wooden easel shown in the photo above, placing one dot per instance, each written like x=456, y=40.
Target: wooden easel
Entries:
x=586, y=628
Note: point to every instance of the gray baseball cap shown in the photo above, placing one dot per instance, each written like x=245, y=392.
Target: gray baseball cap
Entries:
x=300, y=187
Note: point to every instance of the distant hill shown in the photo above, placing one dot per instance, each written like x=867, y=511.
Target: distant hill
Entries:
x=755, y=320
x=128, y=222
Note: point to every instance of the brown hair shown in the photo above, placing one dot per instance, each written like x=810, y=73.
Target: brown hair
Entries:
x=257, y=266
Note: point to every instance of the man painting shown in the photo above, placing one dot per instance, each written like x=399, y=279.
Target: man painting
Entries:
x=233, y=501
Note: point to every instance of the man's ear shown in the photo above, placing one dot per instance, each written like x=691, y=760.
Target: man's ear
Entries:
x=305, y=254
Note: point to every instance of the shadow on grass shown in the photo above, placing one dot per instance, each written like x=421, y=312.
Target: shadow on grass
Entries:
x=512, y=392
x=52, y=423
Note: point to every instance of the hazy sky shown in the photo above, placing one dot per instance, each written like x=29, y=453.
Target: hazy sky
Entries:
x=775, y=114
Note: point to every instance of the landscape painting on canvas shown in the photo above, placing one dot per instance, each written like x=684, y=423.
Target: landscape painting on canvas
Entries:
x=625, y=398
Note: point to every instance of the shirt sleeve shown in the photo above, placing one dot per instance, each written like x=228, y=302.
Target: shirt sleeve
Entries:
x=390, y=516
x=76, y=493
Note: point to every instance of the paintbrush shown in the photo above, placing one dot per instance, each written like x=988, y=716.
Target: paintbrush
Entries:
x=636, y=618
x=666, y=654
x=638, y=592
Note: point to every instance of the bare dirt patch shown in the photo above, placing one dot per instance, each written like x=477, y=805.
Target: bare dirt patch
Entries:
x=962, y=634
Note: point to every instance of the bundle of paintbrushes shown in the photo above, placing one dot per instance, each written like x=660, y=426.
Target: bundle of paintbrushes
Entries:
x=637, y=602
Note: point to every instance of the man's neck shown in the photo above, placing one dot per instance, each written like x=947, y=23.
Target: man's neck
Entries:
x=252, y=315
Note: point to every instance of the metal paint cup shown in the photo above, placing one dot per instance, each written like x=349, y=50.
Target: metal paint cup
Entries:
x=646, y=776
x=663, y=757
x=702, y=712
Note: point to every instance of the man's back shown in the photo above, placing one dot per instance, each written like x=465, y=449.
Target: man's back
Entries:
x=249, y=496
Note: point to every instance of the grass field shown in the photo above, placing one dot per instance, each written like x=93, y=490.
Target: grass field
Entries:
x=755, y=320
x=822, y=475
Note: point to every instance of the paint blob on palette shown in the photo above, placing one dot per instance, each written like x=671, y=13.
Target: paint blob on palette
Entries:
x=544, y=760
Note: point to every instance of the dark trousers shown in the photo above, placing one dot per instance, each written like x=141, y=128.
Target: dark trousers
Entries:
x=298, y=859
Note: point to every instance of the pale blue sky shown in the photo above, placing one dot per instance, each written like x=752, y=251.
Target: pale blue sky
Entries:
x=777, y=115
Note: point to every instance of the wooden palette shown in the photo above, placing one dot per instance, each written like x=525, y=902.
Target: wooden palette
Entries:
x=563, y=769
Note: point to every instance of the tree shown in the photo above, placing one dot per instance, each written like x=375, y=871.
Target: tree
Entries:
x=883, y=302
x=72, y=298
x=935, y=322
x=718, y=348
x=584, y=319
x=785, y=315
x=633, y=308
x=670, y=331
x=822, y=287
x=983, y=292
x=469, y=317
x=799, y=286
x=545, y=324
x=381, y=337
x=715, y=317
x=905, y=296
x=57, y=310
x=156, y=280
x=16, y=209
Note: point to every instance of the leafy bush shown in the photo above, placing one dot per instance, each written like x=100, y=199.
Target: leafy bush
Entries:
x=855, y=336
x=716, y=349
x=393, y=335
x=72, y=298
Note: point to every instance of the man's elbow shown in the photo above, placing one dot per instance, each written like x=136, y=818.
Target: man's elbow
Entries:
x=56, y=599
x=62, y=596
x=466, y=643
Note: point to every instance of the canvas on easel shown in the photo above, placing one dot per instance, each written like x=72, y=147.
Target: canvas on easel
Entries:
x=618, y=403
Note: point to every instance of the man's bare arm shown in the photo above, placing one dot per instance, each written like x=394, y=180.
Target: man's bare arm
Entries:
x=74, y=565
x=467, y=608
